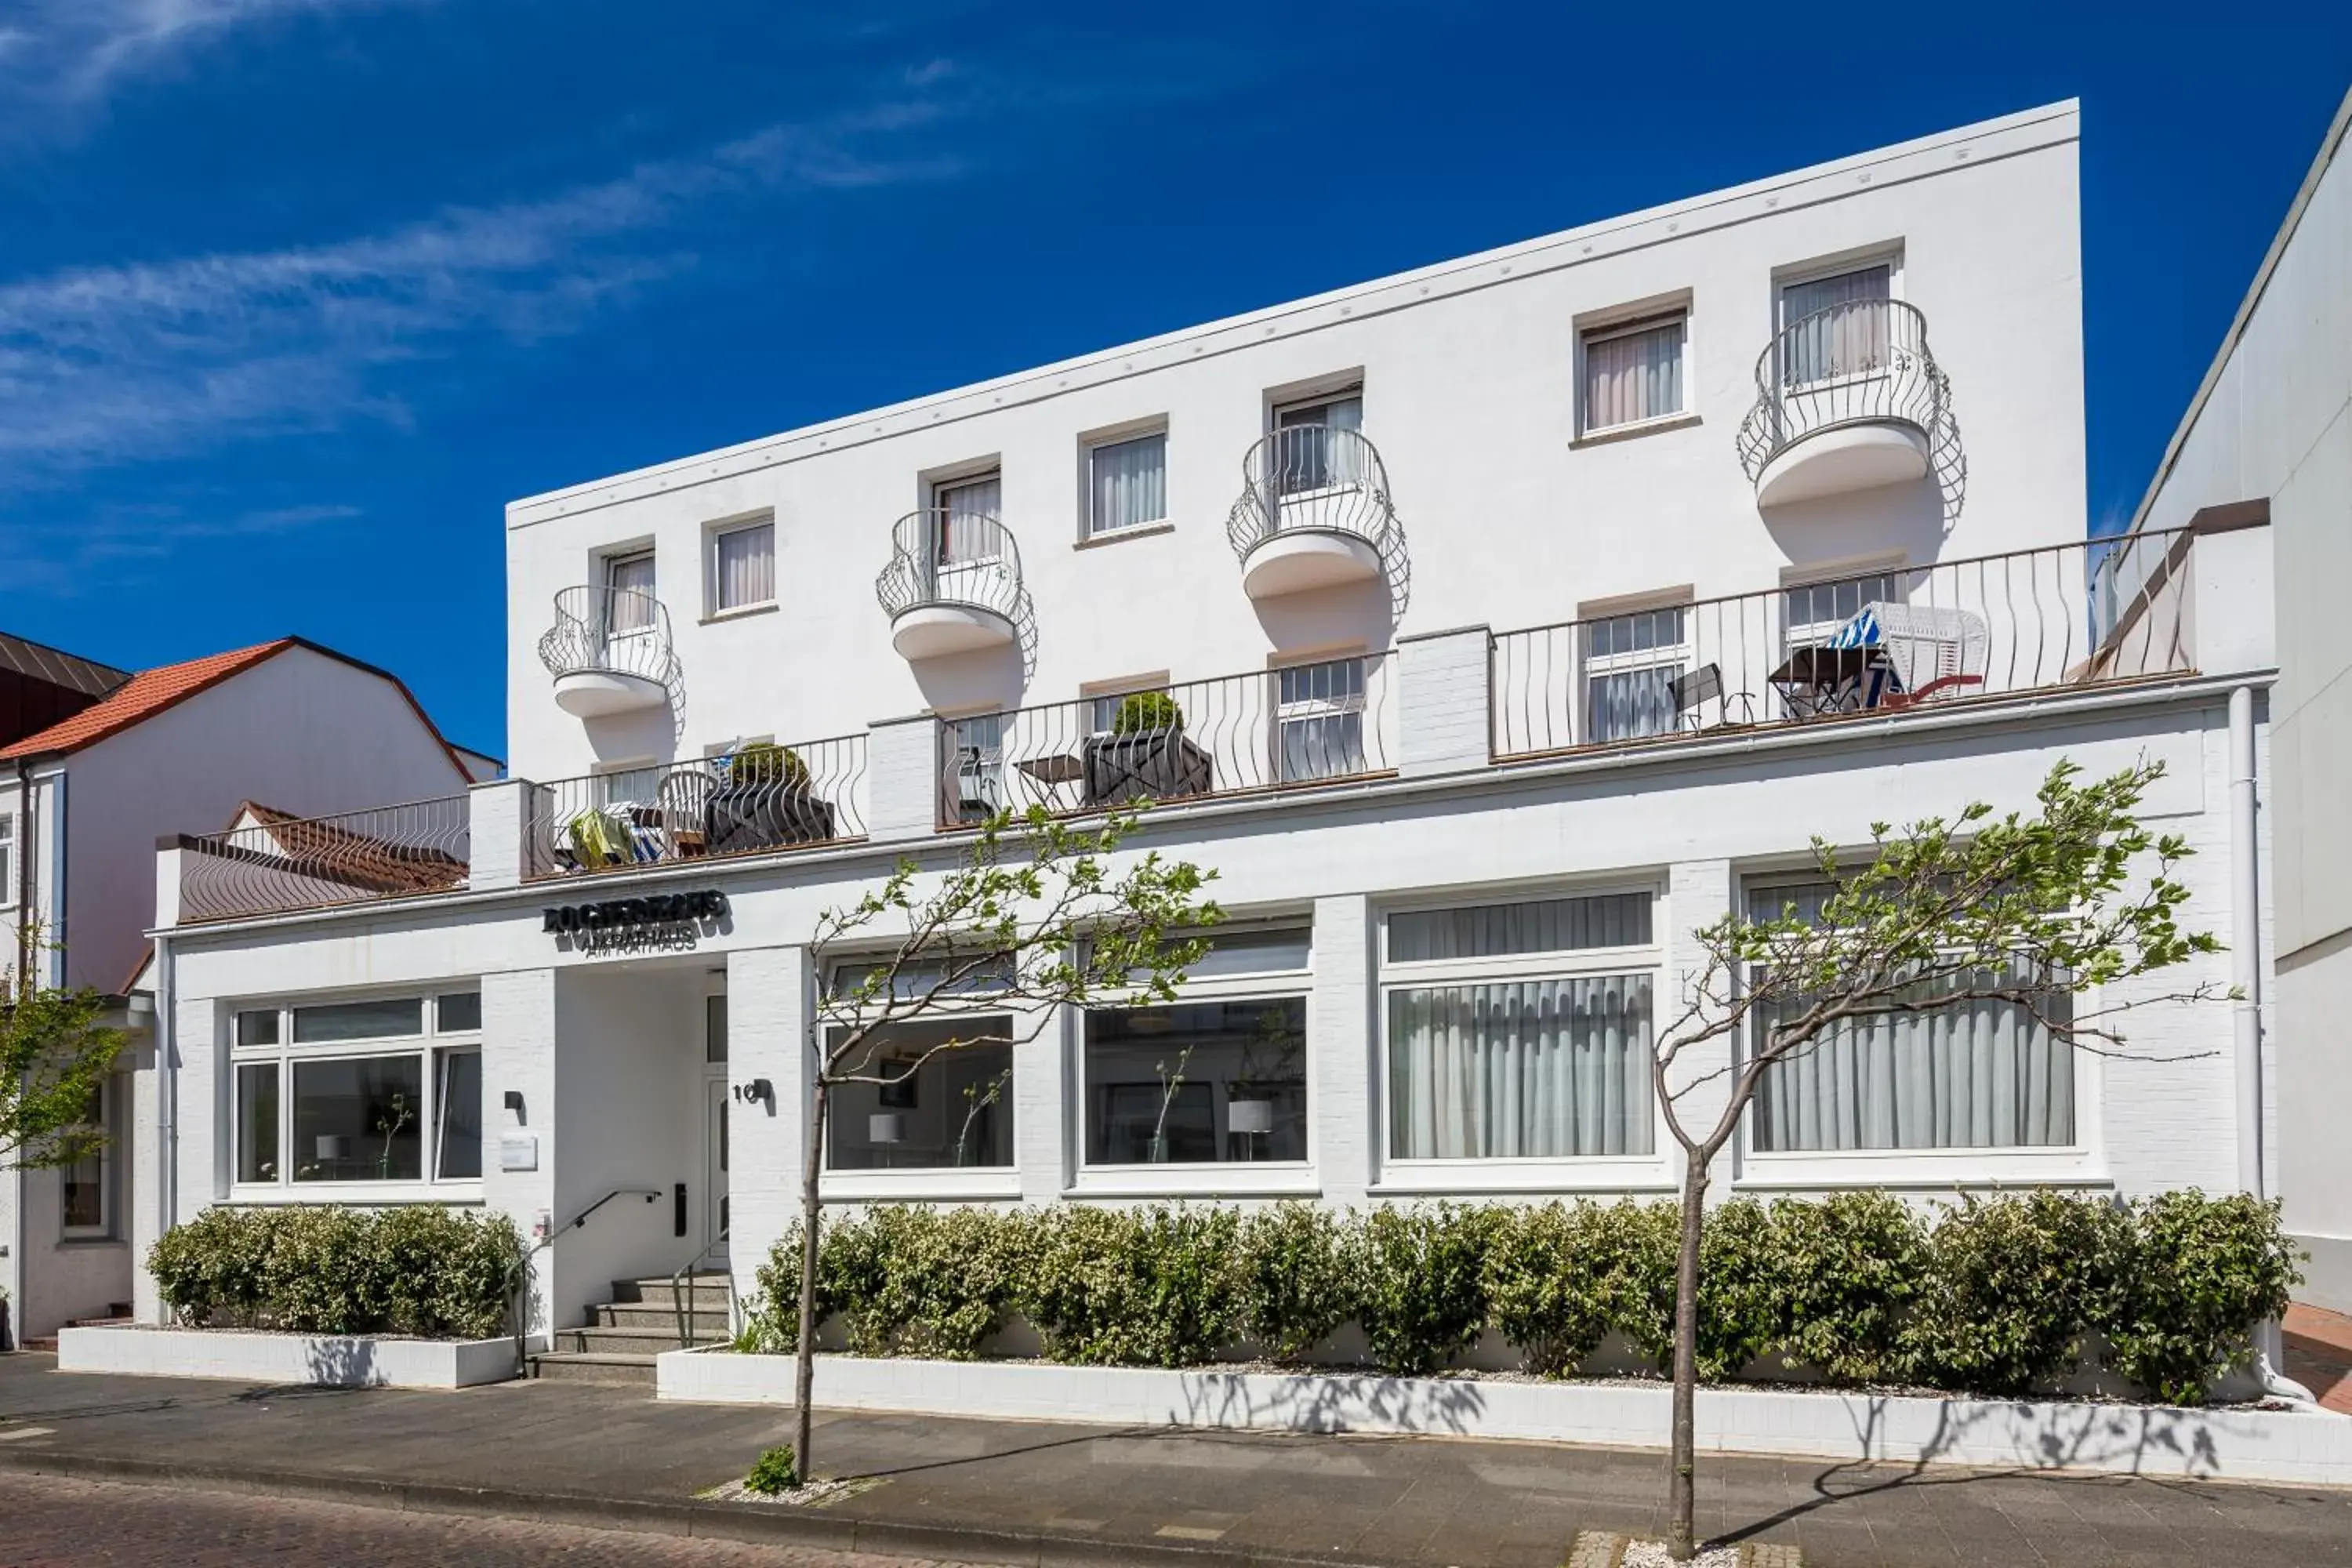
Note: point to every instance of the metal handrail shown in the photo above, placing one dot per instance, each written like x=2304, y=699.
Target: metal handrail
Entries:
x=677, y=1290
x=1311, y=477
x=942, y=556
x=603, y=630
x=277, y=864
x=761, y=799
x=1853, y=362
x=519, y=1270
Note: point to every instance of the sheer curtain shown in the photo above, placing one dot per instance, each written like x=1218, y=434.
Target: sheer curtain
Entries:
x=1630, y=376
x=747, y=566
x=1849, y=341
x=968, y=520
x=1130, y=481
x=1523, y=1069
x=630, y=578
x=1541, y=925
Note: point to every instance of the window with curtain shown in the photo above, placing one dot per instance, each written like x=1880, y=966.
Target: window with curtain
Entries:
x=1550, y=1062
x=744, y=568
x=1969, y=1075
x=1317, y=446
x=629, y=582
x=7, y=867
x=968, y=512
x=1320, y=711
x=1835, y=326
x=975, y=772
x=1127, y=483
x=1631, y=665
x=1633, y=374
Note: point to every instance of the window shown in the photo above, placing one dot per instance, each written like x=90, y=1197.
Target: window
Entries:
x=1970, y=1075
x=918, y=976
x=1836, y=326
x=1813, y=611
x=1318, y=446
x=742, y=567
x=714, y=1028
x=87, y=1184
x=384, y=1090
x=1102, y=707
x=1632, y=664
x=1197, y=1083
x=968, y=512
x=629, y=584
x=976, y=770
x=8, y=863
x=1127, y=483
x=1633, y=372
x=1521, y=1030
x=1320, y=712
x=950, y=1111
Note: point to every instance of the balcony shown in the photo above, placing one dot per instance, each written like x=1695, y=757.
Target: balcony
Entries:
x=762, y=799
x=278, y=864
x=609, y=652
x=1267, y=731
x=954, y=584
x=1847, y=398
x=1314, y=511
x=1881, y=645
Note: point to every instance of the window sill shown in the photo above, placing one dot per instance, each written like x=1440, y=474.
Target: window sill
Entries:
x=1931, y=1169
x=459, y=1194
x=92, y=1243
x=742, y=612
x=1239, y=1180
x=1121, y=536
x=1629, y=432
x=1593, y=1173
x=887, y=1186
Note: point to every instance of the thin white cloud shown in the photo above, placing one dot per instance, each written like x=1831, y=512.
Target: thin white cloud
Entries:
x=77, y=51
x=116, y=364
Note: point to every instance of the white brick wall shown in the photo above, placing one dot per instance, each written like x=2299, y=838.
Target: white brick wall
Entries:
x=769, y=990
x=495, y=833
x=902, y=762
x=1442, y=701
x=1344, y=1045
x=518, y=1054
x=1698, y=893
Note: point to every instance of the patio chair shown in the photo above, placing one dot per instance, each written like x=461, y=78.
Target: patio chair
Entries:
x=1934, y=651
x=1691, y=691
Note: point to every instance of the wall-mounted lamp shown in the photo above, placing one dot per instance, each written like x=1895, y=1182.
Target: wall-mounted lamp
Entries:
x=759, y=1091
x=514, y=1102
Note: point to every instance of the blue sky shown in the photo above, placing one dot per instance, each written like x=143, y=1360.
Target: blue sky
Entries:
x=296, y=294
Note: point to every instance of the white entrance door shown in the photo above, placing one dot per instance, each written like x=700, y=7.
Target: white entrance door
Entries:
x=714, y=1164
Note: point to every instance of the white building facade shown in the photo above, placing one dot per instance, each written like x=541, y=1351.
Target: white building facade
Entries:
x=1488, y=629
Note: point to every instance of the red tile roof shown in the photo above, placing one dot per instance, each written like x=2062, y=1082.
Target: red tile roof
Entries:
x=141, y=696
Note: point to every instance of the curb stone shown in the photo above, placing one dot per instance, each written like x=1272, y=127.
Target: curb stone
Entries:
x=1599, y=1549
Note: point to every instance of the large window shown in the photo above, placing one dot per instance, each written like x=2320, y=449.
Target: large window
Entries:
x=1633, y=373
x=87, y=1184
x=388, y=1090
x=1632, y=664
x=1127, y=483
x=1521, y=1030
x=1219, y=1077
x=742, y=566
x=938, y=1106
x=1968, y=1075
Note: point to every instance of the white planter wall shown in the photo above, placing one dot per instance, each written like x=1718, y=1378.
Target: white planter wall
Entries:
x=2311, y=1448
x=321, y=1361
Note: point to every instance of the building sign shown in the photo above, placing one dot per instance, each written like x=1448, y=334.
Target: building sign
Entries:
x=657, y=922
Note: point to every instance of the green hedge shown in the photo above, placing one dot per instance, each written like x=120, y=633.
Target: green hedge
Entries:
x=1991, y=1296
x=423, y=1270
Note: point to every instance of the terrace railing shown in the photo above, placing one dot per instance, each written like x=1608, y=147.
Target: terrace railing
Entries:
x=760, y=800
x=1313, y=477
x=1292, y=727
x=1860, y=361
x=1881, y=643
x=942, y=556
x=305, y=863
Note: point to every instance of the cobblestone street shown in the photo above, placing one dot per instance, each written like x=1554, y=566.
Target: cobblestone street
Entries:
x=49, y=1522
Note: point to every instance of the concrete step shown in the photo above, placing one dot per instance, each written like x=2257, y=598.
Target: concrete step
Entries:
x=703, y=1294
x=711, y=1321
x=646, y=1340
x=593, y=1366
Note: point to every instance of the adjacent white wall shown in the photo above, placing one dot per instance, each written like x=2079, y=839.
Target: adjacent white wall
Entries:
x=2274, y=422
x=1468, y=372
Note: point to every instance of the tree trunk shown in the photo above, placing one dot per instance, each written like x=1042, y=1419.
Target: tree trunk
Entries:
x=1682, y=1492
x=812, y=1216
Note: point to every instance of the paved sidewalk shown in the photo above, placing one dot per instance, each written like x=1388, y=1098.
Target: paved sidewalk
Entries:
x=1008, y=1491
x=2319, y=1354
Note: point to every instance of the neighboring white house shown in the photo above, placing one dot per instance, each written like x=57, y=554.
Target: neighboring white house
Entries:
x=2269, y=439
x=1520, y=616
x=98, y=765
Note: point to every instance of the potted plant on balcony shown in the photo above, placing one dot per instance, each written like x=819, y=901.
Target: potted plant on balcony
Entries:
x=763, y=800
x=1146, y=755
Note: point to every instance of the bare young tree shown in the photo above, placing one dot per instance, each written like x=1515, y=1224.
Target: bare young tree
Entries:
x=2028, y=909
x=1031, y=920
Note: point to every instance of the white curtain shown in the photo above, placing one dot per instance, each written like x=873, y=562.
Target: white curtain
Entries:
x=747, y=566
x=1525, y=1068
x=1632, y=376
x=1850, y=341
x=1129, y=483
x=1543, y=925
x=968, y=520
x=631, y=580
x=1318, y=449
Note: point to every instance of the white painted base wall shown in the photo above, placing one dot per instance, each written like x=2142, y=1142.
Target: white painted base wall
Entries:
x=322, y=1361
x=2311, y=1449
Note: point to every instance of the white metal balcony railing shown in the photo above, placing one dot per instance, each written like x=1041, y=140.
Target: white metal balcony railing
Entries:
x=1859, y=361
x=763, y=798
x=609, y=649
x=1298, y=726
x=1881, y=644
x=305, y=863
x=1322, y=479
x=966, y=563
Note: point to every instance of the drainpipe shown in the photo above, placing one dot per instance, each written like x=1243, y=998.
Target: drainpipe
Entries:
x=167, y=1093
x=2245, y=1013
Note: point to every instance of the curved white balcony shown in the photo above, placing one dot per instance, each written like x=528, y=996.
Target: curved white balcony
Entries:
x=1314, y=511
x=609, y=652
x=1847, y=399
x=954, y=584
